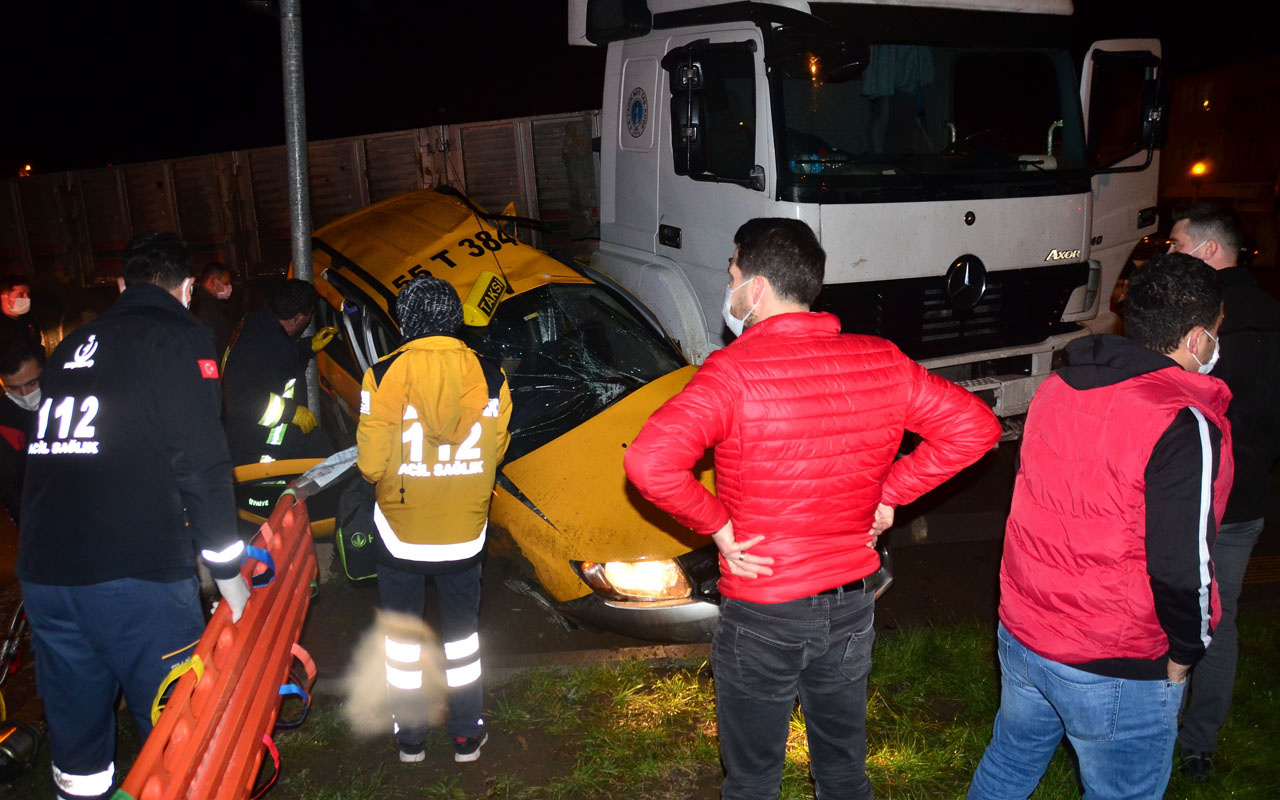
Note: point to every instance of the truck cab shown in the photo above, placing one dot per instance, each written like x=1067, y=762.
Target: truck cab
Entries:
x=976, y=192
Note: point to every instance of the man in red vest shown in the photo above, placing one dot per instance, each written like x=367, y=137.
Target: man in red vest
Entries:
x=806, y=423
x=1107, y=594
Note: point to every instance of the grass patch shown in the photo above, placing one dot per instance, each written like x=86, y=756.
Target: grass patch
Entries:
x=648, y=732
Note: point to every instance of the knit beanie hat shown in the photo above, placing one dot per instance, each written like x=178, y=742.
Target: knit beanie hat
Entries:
x=428, y=306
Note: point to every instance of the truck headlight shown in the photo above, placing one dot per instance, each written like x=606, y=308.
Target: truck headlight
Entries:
x=636, y=580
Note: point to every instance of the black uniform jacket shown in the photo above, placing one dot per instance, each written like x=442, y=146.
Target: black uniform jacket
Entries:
x=127, y=451
x=1250, y=365
x=16, y=426
x=257, y=392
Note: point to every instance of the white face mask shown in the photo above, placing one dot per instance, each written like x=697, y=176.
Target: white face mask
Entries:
x=1207, y=367
x=224, y=293
x=735, y=325
x=28, y=402
x=19, y=305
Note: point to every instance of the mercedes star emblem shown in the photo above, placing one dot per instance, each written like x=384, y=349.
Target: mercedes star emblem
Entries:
x=966, y=282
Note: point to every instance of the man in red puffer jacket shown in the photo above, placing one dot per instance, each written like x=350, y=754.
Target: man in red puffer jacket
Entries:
x=806, y=423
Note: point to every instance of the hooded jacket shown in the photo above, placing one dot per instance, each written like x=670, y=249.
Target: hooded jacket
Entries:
x=806, y=423
x=432, y=430
x=1126, y=465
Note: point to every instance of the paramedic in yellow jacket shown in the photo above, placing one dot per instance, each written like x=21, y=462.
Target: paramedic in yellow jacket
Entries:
x=433, y=429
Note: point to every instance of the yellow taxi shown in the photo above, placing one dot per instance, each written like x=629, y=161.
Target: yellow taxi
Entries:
x=586, y=366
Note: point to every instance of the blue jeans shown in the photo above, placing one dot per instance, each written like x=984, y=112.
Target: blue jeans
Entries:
x=92, y=641
x=459, y=596
x=765, y=655
x=1214, y=678
x=1122, y=730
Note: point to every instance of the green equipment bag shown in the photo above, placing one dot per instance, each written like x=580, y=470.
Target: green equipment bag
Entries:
x=356, y=536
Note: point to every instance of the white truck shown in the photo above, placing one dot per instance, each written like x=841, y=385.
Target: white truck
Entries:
x=977, y=191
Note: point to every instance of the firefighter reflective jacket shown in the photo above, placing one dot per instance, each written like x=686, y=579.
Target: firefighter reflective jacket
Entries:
x=128, y=466
x=433, y=428
x=262, y=387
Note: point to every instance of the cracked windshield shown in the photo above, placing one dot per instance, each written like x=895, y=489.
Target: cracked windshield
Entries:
x=569, y=352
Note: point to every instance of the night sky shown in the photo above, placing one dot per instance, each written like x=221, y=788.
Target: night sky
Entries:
x=90, y=83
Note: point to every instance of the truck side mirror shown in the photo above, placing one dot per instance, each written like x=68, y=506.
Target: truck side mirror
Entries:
x=617, y=20
x=687, y=81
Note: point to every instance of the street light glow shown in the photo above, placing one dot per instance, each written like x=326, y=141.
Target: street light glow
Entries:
x=1199, y=169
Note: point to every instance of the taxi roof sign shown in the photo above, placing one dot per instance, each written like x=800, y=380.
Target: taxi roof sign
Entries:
x=478, y=308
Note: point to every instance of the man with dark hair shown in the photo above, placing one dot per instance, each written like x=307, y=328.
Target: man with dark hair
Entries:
x=433, y=429
x=212, y=303
x=20, y=366
x=127, y=476
x=806, y=423
x=15, y=310
x=1250, y=366
x=265, y=387
x=1107, y=597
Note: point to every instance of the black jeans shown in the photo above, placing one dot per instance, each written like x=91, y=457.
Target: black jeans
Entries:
x=763, y=656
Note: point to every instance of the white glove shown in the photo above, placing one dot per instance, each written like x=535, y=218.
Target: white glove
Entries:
x=236, y=592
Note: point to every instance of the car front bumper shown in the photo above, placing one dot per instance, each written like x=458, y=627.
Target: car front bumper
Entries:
x=688, y=620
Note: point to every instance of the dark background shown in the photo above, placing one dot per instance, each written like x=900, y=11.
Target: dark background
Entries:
x=91, y=83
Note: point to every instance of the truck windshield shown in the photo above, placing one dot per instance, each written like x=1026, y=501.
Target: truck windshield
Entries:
x=569, y=352
x=931, y=122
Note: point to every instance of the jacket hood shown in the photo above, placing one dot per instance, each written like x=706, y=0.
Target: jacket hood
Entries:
x=1106, y=359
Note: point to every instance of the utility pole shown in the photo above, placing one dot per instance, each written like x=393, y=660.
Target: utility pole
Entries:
x=295, y=121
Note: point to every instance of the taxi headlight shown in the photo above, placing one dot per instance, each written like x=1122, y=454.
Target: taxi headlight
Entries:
x=636, y=580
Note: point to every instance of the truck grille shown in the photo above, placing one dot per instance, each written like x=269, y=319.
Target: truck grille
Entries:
x=1020, y=307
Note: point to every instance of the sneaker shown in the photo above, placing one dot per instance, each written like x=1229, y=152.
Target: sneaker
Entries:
x=1196, y=766
x=465, y=749
x=412, y=755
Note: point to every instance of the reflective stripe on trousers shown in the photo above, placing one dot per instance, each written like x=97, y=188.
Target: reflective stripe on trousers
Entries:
x=403, y=668
x=99, y=783
x=462, y=661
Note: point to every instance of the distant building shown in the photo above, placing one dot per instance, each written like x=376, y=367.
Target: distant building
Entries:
x=1229, y=120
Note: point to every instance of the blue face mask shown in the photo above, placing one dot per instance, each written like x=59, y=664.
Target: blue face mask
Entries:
x=735, y=325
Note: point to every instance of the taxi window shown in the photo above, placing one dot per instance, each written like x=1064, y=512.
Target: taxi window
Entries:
x=365, y=333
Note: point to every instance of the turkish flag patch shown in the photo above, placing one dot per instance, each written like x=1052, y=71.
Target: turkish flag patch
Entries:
x=208, y=368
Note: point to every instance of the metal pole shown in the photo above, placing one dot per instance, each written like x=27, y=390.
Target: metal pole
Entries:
x=295, y=123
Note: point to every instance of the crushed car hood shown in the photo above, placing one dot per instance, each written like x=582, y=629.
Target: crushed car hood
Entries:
x=577, y=482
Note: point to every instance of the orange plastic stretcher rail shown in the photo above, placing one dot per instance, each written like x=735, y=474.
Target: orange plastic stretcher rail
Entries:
x=208, y=742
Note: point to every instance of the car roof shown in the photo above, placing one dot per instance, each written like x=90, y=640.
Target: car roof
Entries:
x=438, y=231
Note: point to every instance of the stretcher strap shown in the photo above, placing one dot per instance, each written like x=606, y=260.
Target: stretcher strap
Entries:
x=300, y=685
x=275, y=759
x=297, y=691
x=300, y=653
x=191, y=664
x=265, y=577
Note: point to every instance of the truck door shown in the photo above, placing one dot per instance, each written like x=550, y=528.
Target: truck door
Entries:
x=711, y=173
x=1120, y=97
